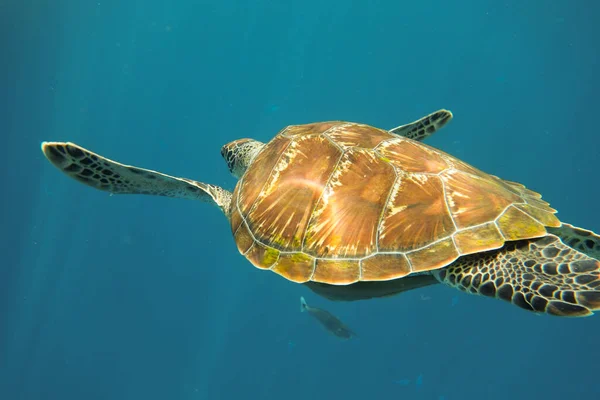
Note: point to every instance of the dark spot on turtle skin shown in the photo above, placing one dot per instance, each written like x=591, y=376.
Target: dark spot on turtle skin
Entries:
x=536, y=285
x=564, y=269
x=499, y=281
x=86, y=161
x=573, y=243
x=584, y=279
x=542, y=242
x=150, y=176
x=550, y=252
x=73, y=168
x=75, y=152
x=466, y=281
x=430, y=129
x=477, y=280
x=452, y=279
x=550, y=268
x=594, y=284
x=104, y=180
x=548, y=290
x=519, y=300
x=86, y=172
x=589, y=243
x=585, y=266
x=539, y=303
x=528, y=297
x=590, y=299
x=61, y=149
x=562, y=308
x=565, y=253
x=54, y=155
x=528, y=276
x=94, y=157
x=568, y=296
x=488, y=289
x=505, y=292
x=107, y=172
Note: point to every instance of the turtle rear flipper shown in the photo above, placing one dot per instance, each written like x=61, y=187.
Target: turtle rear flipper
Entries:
x=110, y=176
x=541, y=275
x=580, y=239
x=423, y=128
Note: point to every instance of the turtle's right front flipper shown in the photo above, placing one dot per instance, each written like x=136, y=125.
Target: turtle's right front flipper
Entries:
x=110, y=176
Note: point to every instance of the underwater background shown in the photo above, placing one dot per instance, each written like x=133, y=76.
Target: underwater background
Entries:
x=140, y=297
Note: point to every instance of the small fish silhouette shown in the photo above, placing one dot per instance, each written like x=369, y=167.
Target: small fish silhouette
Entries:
x=327, y=320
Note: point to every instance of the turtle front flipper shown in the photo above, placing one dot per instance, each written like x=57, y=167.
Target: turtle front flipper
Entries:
x=541, y=275
x=110, y=176
x=580, y=239
x=424, y=127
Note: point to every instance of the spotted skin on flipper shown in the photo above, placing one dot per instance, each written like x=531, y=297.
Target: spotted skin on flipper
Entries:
x=424, y=127
x=541, y=275
x=110, y=176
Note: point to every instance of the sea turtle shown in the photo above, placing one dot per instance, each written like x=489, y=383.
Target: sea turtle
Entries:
x=356, y=212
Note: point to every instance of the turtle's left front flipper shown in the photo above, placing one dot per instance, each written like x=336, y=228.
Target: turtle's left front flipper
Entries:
x=541, y=275
x=110, y=176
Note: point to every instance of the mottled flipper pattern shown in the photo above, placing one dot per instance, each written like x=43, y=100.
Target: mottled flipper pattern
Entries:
x=541, y=275
x=110, y=176
x=580, y=239
x=424, y=127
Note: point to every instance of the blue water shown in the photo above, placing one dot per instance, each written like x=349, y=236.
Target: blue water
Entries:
x=137, y=297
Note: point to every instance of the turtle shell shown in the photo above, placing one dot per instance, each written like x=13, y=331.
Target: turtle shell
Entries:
x=339, y=202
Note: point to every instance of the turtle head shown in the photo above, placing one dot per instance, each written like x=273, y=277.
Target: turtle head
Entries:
x=239, y=154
